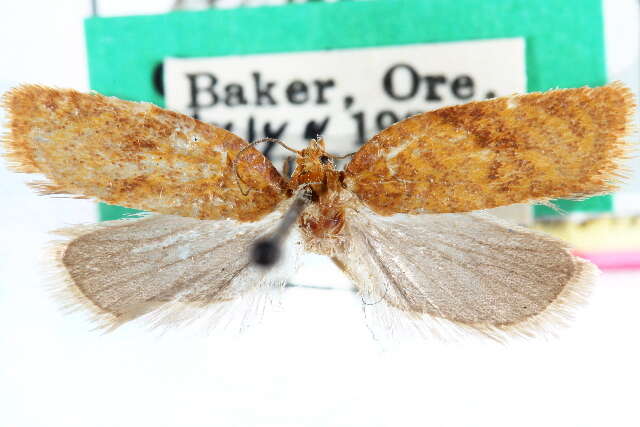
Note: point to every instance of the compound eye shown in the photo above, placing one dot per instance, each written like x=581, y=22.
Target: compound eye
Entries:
x=324, y=160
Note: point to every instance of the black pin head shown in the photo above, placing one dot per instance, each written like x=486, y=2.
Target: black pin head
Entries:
x=265, y=252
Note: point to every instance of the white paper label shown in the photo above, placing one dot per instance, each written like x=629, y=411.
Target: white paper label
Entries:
x=347, y=95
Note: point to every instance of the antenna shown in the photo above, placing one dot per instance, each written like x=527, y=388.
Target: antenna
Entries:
x=266, y=251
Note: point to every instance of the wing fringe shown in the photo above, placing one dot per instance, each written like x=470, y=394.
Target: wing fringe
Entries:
x=63, y=288
x=391, y=314
x=397, y=324
x=18, y=152
x=246, y=308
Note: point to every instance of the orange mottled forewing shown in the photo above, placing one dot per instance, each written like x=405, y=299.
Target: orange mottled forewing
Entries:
x=562, y=143
x=136, y=155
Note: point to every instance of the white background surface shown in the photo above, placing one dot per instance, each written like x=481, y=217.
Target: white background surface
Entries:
x=310, y=363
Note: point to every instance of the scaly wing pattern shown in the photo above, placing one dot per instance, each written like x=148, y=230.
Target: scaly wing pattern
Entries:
x=169, y=268
x=460, y=272
x=136, y=155
x=562, y=143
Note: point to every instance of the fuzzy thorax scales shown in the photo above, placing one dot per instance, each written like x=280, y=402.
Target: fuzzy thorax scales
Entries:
x=323, y=220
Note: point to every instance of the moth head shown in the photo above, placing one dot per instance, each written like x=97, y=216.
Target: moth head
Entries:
x=312, y=164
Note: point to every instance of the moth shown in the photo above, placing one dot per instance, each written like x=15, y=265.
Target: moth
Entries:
x=403, y=219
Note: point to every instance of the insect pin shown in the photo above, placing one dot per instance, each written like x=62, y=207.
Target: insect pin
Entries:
x=399, y=219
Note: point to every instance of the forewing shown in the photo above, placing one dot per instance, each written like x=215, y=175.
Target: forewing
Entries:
x=168, y=268
x=136, y=155
x=562, y=143
x=461, y=271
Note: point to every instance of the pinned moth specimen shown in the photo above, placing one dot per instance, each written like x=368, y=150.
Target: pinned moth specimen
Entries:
x=226, y=226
